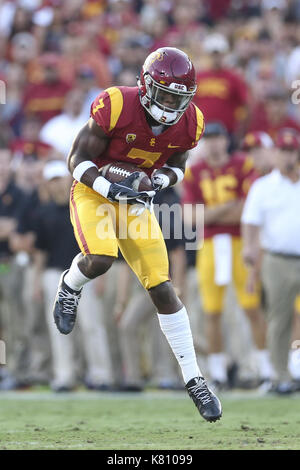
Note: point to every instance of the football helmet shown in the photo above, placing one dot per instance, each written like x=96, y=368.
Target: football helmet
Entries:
x=167, y=84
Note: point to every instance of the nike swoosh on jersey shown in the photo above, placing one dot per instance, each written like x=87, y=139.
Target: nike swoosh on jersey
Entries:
x=170, y=146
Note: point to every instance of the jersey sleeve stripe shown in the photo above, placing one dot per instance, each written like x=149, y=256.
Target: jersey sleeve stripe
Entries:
x=116, y=105
x=200, y=123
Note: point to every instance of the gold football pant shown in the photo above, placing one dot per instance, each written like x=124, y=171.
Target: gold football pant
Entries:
x=213, y=294
x=101, y=227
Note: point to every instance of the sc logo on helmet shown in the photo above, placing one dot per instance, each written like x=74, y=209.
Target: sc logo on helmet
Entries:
x=156, y=56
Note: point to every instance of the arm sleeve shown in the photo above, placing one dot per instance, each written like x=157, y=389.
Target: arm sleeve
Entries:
x=253, y=209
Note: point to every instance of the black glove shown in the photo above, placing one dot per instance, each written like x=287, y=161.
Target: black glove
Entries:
x=123, y=192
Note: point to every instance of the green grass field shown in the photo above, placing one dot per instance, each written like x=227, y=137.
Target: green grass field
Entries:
x=152, y=420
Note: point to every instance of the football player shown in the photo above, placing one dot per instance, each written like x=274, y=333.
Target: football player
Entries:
x=153, y=126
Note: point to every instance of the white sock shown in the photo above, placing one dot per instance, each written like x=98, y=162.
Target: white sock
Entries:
x=177, y=330
x=216, y=363
x=294, y=363
x=265, y=369
x=75, y=278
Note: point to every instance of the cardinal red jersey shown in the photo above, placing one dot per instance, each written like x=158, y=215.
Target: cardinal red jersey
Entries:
x=45, y=100
x=222, y=96
x=214, y=186
x=119, y=113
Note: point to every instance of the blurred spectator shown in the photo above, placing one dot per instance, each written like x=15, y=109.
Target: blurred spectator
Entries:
x=60, y=131
x=11, y=319
x=293, y=66
x=217, y=10
x=129, y=53
x=273, y=11
x=46, y=99
x=222, y=95
x=86, y=82
x=260, y=148
x=28, y=176
x=265, y=61
x=28, y=145
x=127, y=77
x=272, y=115
x=120, y=14
x=13, y=77
x=272, y=211
x=23, y=48
x=16, y=16
x=185, y=17
x=57, y=247
x=154, y=20
x=79, y=47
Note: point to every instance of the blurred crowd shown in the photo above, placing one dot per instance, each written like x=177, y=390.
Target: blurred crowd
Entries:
x=55, y=57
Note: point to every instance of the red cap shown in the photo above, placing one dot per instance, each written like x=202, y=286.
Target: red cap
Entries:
x=257, y=139
x=288, y=139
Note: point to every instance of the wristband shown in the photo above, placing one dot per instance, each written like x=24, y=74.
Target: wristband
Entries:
x=178, y=172
x=101, y=186
x=82, y=168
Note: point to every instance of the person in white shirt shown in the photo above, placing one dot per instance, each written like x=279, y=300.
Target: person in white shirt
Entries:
x=271, y=220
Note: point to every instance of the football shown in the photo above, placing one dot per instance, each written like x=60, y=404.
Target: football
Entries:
x=117, y=172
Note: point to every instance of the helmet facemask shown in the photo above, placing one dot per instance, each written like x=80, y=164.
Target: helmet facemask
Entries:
x=166, y=104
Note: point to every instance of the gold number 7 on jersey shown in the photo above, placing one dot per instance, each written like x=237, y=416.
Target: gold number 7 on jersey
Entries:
x=99, y=106
x=149, y=157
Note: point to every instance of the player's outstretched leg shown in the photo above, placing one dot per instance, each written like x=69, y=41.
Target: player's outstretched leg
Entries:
x=83, y=269
x=175, y=325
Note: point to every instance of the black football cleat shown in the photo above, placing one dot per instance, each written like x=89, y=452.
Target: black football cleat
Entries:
x=65, y=306
x=206, y=401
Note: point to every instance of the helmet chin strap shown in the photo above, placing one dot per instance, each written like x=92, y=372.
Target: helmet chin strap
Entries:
x=162, y=116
